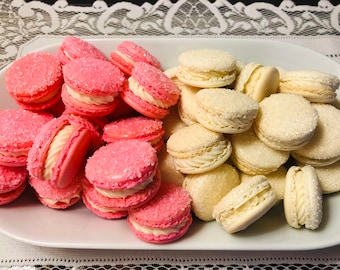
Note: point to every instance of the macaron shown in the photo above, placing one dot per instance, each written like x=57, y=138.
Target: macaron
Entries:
x=139, y=127
x=251, y=156
x=101, y=209
x=196, y=149
x=315, y=86
x=245, y=204
x=149, y=91
x=19, y=128
x=91, y=86
x=166, y=166
x=207, y=189
x=128, y=53
x=164, y=219
x=258, y=81
x=73, y=47
x=60, y=149
x=13, y=182
x=224, y=110
x=124, y=173
x=172, y=122
x=206, y=68
x=186, y=105
x=35, y=80
x=324, y=147
x=329, y=177
x=285, y=121
x=303, y=198
x=54, y=197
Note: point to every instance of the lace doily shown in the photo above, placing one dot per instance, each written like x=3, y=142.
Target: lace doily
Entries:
x=22, y=21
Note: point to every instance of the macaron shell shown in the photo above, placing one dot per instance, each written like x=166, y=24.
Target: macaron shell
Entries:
x=12, y=178
x=319, y=151
x=8, y=197
x=207, y=189
x=139, y=127
x=121, y=164
x=73, y=47
x=329, y=177
x=41, y=87
x=251, y=156
x=93, y=76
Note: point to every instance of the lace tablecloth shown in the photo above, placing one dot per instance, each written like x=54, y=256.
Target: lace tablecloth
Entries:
x=26, y=25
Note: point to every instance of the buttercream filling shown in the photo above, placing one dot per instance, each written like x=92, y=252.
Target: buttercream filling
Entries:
x=248, y=205
x=92, y=100
x=125, y=57
x=301, y=198
x=45, y=98
x=158, y=231
x=55, y=148
x=216, y=152
x=122, y=193
x=140, y=92
x=222, y=122
x=13, y=154
x=66, y=200
x=205, y=76
x=101, y=209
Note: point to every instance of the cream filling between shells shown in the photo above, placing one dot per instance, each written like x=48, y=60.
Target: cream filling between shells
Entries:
x=94, y=100
x=125, y=57
x=125, y=192
x=224, y=124
x=139, y=91
x=13, y=154
x=158, y=231
x=66, y=200
x=301, y=198
x=55, y=148
x=205, y=76
x=205, y=160
x=101, y=209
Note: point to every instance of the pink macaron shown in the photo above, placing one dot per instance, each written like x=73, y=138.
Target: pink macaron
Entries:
x=55, y=197
x=139, y=127
x=18, y=130
x=61, y=148
x=91, y=86
x=99, y=205
x=149, y=91
x=165, y=218
x=12, y=183
x=124, y=173
x=128, y=53
x=73, y=47
x=35, y=80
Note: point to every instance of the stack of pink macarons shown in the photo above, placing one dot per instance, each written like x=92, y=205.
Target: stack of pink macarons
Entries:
x=90, y=129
